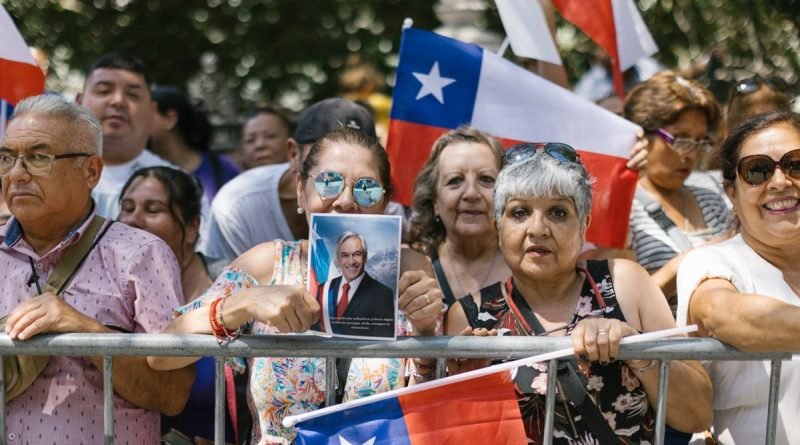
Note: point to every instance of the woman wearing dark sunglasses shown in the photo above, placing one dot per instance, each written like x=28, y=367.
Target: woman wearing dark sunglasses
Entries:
x=542, y=205
x=668, y=217
x=746, y=291
x=263, y=291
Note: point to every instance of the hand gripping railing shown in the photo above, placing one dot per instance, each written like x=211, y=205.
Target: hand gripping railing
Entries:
x=108, y=345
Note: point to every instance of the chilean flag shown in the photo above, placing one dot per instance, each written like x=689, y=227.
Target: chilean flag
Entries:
x=20, y=77
x=616, y=26
x=443, y=83
x=481, y=410
x=321, y=266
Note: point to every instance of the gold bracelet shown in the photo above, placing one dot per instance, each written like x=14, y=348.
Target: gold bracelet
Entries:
x=642, y=369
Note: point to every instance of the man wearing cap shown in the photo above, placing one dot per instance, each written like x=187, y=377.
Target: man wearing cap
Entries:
x=260, y=204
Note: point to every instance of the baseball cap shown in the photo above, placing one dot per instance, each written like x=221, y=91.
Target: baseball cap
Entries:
x=332, y=114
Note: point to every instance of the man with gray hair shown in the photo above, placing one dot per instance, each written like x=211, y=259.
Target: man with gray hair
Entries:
x=357, y=303
x=122, y=279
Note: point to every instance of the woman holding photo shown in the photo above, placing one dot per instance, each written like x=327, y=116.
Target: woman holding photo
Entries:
x=264, y=291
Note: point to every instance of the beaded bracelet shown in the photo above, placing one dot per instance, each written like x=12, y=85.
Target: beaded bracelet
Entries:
x=642, y=369
x=218, y=328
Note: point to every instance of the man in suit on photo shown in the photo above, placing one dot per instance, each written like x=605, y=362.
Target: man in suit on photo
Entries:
x=358, y=304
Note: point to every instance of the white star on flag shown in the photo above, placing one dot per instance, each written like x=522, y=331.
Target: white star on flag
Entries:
x=432, y=83
x=343, y=441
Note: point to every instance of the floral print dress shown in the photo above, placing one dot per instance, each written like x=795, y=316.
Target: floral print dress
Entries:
x=615, y=389
x=284, y=386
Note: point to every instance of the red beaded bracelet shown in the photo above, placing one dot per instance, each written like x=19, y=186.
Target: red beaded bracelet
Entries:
x=218, y=328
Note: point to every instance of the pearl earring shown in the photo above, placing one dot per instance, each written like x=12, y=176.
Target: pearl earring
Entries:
x=299, y=210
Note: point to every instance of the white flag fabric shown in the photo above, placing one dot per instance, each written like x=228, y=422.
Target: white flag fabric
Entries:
x=527, y=29
x=463, y=84
x=20, y=77
x=634, y=41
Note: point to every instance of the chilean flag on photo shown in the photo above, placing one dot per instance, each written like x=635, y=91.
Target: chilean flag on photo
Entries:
x=482, y=410
x=443, y=83
x=20, y=77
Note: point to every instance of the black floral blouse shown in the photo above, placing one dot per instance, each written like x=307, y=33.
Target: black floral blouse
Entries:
x=615, y=389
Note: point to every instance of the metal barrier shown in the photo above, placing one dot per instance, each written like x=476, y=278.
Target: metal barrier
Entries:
x=108, y=345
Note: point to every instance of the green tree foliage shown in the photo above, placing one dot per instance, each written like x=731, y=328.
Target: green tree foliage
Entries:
x=268, y=48
x=264, y=48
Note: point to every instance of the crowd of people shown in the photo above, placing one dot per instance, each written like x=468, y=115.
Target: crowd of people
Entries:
x=176, y=238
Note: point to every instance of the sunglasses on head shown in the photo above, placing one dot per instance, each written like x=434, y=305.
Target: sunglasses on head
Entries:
x=684, y=145
x=758, y=169
x=366, y=191
x=752, y=85
x=557, y=150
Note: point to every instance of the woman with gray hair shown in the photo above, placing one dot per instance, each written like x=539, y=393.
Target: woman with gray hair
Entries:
x=542, y=204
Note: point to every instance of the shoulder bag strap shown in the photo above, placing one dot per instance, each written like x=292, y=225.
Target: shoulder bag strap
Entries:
x=75, y=255
x=572, y=387
x=654, y=209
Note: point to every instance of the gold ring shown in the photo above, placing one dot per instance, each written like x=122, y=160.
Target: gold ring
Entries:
x=427, y=299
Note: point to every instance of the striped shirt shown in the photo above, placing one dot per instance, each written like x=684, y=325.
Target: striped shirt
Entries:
x=653, y=245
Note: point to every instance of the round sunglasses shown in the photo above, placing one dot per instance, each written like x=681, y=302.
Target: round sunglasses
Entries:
x=758, y=169
x=366, y=191
x=557, y=150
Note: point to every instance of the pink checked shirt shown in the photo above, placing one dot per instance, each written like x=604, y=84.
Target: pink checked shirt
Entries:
x=130, y=281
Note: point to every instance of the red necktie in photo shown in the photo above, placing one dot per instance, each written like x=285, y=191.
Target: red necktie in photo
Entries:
x=342, y=305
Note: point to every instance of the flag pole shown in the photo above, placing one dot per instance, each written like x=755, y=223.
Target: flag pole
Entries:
x=3, y=111
x=290, y=421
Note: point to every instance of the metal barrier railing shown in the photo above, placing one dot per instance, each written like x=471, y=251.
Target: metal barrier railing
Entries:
x=109, y=345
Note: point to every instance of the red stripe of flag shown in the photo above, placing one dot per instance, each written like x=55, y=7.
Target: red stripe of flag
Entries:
x=405, y=155
x=19, y=80
x=478, y=411
x=596, y=19
x=613, y=190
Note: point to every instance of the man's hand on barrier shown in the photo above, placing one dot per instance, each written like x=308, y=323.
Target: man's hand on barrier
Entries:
x=47, y=313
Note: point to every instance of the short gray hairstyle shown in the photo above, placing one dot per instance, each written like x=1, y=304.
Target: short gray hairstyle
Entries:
x=543, y=176
x=347, y=235
x=84, y=125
